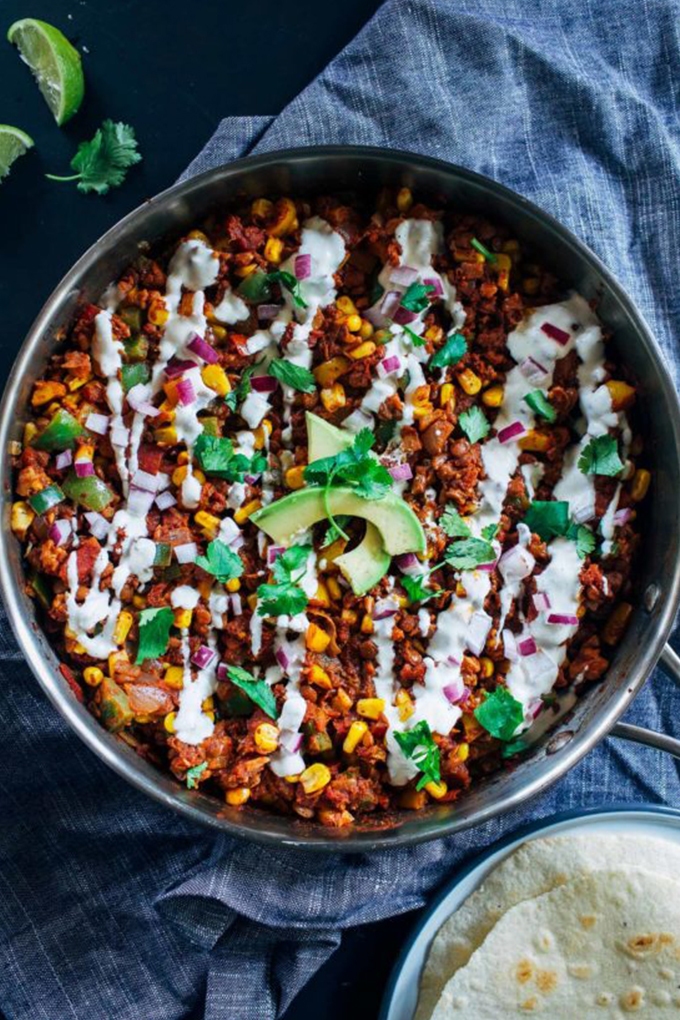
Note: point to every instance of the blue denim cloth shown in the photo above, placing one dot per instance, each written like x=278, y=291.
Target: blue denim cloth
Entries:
x=113, y=908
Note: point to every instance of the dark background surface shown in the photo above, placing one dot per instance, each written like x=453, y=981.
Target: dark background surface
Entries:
x=171, y=70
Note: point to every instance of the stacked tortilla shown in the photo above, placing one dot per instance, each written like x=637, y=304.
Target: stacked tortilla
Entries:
x=568, y=928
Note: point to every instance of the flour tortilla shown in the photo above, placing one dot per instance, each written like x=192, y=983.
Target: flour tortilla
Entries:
x=534, y=868
x=607, y=945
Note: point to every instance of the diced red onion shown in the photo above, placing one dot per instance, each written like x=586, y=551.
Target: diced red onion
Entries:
x=120, y=436
x=175, y=368
x=533, y=370
x=478, y=631
x=63, y=460
x=403, y=316
x=282, y=658
x=516, y=564
x=434, y=281
x=137, y=397
x=408, y=563
x=541, y=601
x=264, y=383
x=454, y=691
x=376, y=317
x=185, y=392
x=273, y=552
x=303, y=266
x=202, y=349
x=512, y=431
x=186, y=553
x=527, y=646
x=98, y=423
x=266, y=313
x=251, y=479
x=388, y=365
x=488, y=567
x=510, y=645
x=139, y=501
x=236, y=604
x=555, y=333
x=83, y=468
x=390, y=303
x=452, y=660
x=59, y=531
x=385, y=608
x=620, y=517
x=144, y=480
x=564, y=619
x=291, y=742
x=165, y=499
x=202, y=657
x=229, y=530
x=403, y=276
x=535, y=708
x=221, y=671
x=401, y=472
x=99, y=526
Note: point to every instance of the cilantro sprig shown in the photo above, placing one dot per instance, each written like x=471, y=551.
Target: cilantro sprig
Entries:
x=416, y=297
x=451, y=351
x=295, y=376
x=241, y=391
x=284, y=596
x=417, y=341
x=291, y=283
x=469, y=553
x=222, y=562
x=194, y=774
x=154, y=633
x=474, y=424
x=601, y=457
x=259, y=692
x=500, y=714
x=453, y=525
x=103, y=162
x=550, y=519
x=418, y=745
x=217, y=457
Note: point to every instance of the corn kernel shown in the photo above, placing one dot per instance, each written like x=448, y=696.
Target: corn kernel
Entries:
x=183, y=457
x=295, y=476
x=405, y=707
x=334, y=589
x=273, y=250
x=349, y=616
x=45, y=391
x=315, y=777
x=30, y=432
x=208, y=523
x=447, y=394
x=346, y=305
x=244, y=512
x=504, y=280
x=404, y=200
x=166, y=437
x=470, y=381
x=244, y=271
x=252, y=601
x=122, y=628
x=316, y=639
x=327, y=373
x=370, y=708
x=21, y=518
x=75, y=383
x=463, y=751
x=113, y=660
x=623, y=395
x=321, y=594
x=487, y=667
x=266, y=737
x=355, y=734
x=319, y=677
x=93, y=676
x=210, y=715
x=436, y=790
x=334, y=550
x=364, y=350
x=342, y=702
x=233, y=585
x=179, y=474
x=493, y=397
x=413, y=800
x=169, y=722
x=219, y=332
x=262, y=207
x=537, y=442
x=174, y=677
x=366, y=624
x=157, y=313
x=182, y=618
x=215, y=378
x=138, y=601
x=237, y=797
x=434, y=333
x=292, y=779
x=421, y=411
x=366, y=331
x=286, y=218
x=617, y=623
x=353, y=323
x=640, y=485
x=334, y=397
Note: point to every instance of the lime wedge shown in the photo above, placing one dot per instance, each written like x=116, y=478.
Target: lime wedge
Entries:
x=55, y=64
x=13, y=143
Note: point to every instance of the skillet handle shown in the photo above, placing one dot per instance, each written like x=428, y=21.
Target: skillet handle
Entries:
x=670, y=663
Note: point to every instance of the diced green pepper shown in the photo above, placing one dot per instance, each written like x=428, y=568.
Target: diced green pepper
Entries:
x=60, y=434
x=114, y=707
x=132, y=317
x=255, y=288
x=134, y=374
x=136, y=348
x=319, y=743
x=41, y=587
x=163, y=554
x=211, y=426
x=238, y=704
x=45, y=499
x=90, y=492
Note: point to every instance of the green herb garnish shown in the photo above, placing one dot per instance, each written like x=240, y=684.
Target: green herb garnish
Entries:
x=451, y=351
x=500, y=714
x=103, y=162
x=295, y=376
x=335, y=530
x=584, y=538
x=417, y=341
x=474, y=424
x=291, y=283
x=489, y=532
x=216, y=456
x=241, y=391
x=469, y=553
x=548, y=518
x=355, y=467
x=416, y=587
x=193, y=775
x=222, y=562
x=488, y=255
x=258, y=691
x=284, y=596
x=415, y=297
x=453, y=524
x=601, y=457
x=154, y=633
x=418, y=745
x=539, y=404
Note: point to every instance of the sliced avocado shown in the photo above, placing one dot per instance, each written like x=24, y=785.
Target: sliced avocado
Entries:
x=324, y=439
x=367, y=564
x=399, y=527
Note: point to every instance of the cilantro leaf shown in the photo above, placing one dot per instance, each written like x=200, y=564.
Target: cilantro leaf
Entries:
x=296, y=376
x=217, y=457
x=221, y=561
x=291, y=283
x=240, y=392
x=417, y=588
x=500, y=714
x=418, y=745
x=417, y=341
x=514, y=747
x=540, y=405
x=154, y=633
x=453, y=524
x=355, y=467
x=334, y=530
x=291, y=559
x=415, y=297
x=103, y=162
x=285, y=597
x=490, y=532
x=548, y=518
x=259, y=692
x=469, y=553
x=584, y=538
x=488, y=255
x=601, y=457
x=474, y=424
x=193, y=775
x=451, y=351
